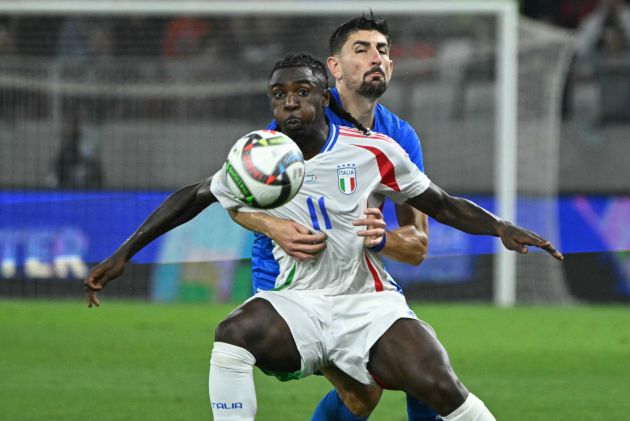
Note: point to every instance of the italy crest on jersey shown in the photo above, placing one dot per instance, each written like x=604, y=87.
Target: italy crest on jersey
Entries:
x=347, y=178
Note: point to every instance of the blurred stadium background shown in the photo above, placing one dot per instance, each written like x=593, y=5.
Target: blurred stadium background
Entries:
x=104, y=113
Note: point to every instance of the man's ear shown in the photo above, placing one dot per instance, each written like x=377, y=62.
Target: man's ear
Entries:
x=326, y=98
x=334, y=68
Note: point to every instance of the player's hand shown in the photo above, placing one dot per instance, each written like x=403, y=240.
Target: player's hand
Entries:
x=518, y=239
x=100, y=275
x=374, y=227
x=297, y=240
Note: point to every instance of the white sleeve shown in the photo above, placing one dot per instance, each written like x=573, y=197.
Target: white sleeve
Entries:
x=222, y=192
x=401, y=180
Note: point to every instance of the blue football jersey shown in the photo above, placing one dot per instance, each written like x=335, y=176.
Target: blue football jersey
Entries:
x=265, y=268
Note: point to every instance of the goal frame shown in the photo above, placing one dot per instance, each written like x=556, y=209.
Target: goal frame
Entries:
x=506, y=100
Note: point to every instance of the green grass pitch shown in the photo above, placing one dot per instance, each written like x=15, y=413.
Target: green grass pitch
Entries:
x=137, y=361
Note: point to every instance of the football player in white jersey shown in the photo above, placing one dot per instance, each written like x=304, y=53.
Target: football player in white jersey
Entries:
x=365, y=331
x=359, y=60
x=346, y=175
x=343, y=309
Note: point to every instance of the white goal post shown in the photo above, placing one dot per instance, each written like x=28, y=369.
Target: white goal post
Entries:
x=506, y=100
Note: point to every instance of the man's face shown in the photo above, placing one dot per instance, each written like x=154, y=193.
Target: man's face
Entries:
x=363, y=64
x=297, y=100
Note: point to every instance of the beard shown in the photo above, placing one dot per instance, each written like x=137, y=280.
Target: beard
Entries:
x=373, y=89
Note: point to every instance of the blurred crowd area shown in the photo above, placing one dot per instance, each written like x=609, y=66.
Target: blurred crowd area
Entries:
x=103, y=99
x=72, y=77
x=81, y=36
x=185, y=36
x=111, y=50
x=152, y=60
x=601, y=54
x=148, y=104
x=564, y=13
x=595, y=103
x=124, y=50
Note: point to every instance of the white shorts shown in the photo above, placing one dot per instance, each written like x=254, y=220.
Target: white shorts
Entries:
x=337, y=330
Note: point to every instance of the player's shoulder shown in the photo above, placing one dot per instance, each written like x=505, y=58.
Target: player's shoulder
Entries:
x=354, y=133
x=395, y=127
x=372, y=139
x=390, y=120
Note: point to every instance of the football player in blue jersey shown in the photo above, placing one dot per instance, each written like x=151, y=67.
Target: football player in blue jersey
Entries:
x=360, y=63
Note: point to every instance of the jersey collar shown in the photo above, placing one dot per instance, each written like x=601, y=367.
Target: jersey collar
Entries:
x=333, y=134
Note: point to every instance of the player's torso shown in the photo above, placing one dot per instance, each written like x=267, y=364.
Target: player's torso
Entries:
x=337, y=189
x=264, y=266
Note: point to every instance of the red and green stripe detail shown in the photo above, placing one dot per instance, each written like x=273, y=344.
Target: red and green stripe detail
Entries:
x=289, y=279
x=347, y=184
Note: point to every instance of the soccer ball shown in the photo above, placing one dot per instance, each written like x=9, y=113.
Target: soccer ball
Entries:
x=265, y=169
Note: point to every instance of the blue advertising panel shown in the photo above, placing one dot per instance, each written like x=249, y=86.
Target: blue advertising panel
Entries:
x=61, y=234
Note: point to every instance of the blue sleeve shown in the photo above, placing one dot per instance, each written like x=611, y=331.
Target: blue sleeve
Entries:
x=265, y=269
x=410, y=142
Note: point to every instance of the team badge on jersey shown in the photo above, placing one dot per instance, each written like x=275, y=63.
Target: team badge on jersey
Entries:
x=347, y=178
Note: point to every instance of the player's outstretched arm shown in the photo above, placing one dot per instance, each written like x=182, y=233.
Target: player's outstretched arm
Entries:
x=178, y=208
x=295, y=239
x=468, y=217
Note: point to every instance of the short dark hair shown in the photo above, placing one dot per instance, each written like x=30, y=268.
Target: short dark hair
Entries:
x=303, y=60
x=341, y=34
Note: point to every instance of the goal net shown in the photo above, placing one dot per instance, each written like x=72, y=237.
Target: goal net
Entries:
x=122, y=102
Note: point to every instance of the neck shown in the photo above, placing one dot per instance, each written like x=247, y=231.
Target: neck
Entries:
x=359, y=106
x=312, y=142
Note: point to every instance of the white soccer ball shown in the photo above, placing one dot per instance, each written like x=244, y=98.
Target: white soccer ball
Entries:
x=265, y=169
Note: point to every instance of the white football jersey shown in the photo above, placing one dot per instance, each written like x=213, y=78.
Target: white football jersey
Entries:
x=352, y=172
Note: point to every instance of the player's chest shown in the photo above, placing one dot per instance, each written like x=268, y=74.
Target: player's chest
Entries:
x=344, y=178
x=334, y=192
x=342, y=181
